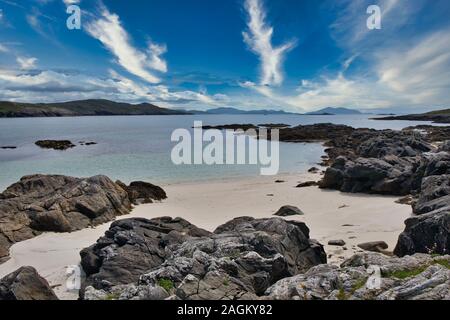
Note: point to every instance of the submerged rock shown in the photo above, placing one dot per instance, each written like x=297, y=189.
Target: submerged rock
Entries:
x=55, y=144
x=25, y=284
x=240, y=260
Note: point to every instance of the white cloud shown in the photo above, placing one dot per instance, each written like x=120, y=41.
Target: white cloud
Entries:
x=69, y=2
x=3, y=48
x=259, y=40
x=52, y=86
x=108, y=29
x=26, y=63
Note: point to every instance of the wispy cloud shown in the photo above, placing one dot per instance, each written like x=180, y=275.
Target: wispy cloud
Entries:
x=258, y=37
x=26, y=63
x=108, y=29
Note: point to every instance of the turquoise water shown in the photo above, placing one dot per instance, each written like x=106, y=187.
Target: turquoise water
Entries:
x=139, y=147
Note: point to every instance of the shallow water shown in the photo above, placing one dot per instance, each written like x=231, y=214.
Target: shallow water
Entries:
x=138, y=147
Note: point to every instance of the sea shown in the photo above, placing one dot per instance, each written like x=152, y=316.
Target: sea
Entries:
x=131, y=148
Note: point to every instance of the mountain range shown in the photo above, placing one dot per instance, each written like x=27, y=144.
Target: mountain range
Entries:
x=101, y=107
x=81, y=108
x=334, y=111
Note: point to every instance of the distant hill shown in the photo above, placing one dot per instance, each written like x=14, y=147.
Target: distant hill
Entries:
x=334, y=111
x=81, y=108
x=438, y=116
x=238, y=111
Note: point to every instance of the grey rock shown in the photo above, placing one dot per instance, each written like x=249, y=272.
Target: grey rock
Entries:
x=287, y=211
x=57, y=203
x=429, y=279
x=140, y=192
x=240, y=260
x=374, y=246
x=338, y=243
x=25, y=284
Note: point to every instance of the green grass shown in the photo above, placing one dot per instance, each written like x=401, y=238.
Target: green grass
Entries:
x=359, y=284
x=442, y=262
x=341, y=294
x=405, y=274
x=226, y=282
x=166, y=284
x=112, y=296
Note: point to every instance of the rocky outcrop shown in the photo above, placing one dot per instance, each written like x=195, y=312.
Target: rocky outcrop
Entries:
x=413, y=162
x=55, y=144
x=25, y=284
x=57, y=203
x=132, y=247
x=370, y=276
x=390, y=175
x=162, y=258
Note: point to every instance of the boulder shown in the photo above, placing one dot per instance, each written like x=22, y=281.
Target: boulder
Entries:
x=25, y=284
x=427, y=233
x=390, y=175
x=55, y=203
x=143, y=192
x=131, y=247
x=287, y=211
x=337, y=243
x=374, y=246
x=240, y=260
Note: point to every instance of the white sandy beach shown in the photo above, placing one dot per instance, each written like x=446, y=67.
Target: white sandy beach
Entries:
x=209, y=204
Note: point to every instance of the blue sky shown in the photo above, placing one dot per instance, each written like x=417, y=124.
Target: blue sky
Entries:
x=296, y=55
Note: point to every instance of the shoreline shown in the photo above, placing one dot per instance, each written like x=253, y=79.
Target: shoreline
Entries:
x=208, y=204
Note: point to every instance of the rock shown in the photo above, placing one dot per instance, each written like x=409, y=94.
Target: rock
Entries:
x=287, y=211
x=55, y=144
x=314, y=170
x=55, y=203
x=234, y=127
x=143, y=192
x=418, y=277
x=8, y=147
x=427, y=233
x=89, y=143
x=274, y=125
x=408, y=200
x=338, y=243
x=435, y=194
x=391, y=175
x=307, y=184
x=131, y=247
x=25, y=284
x=445, y=146
x=280, y=181
x=374, y=246
x=240, y=260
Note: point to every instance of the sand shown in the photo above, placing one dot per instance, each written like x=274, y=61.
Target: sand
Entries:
x=330, y=215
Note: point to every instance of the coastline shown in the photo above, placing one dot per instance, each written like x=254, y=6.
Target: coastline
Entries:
x=208, y=204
